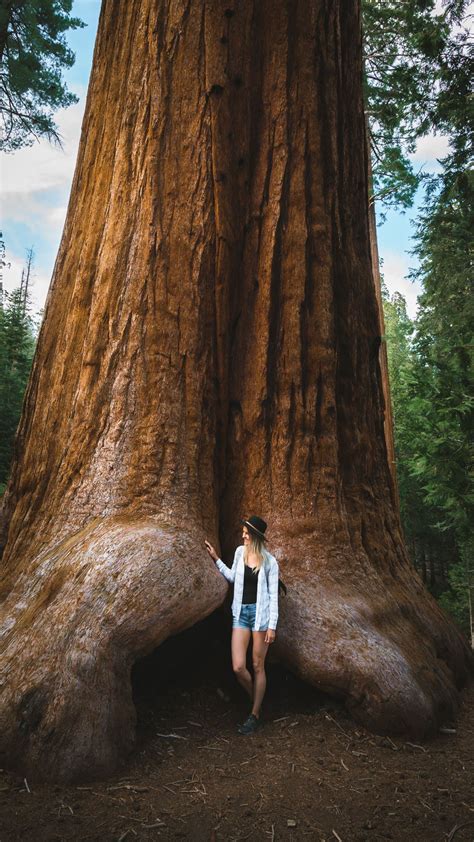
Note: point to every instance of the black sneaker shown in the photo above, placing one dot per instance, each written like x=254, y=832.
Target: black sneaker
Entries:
x=251, y=724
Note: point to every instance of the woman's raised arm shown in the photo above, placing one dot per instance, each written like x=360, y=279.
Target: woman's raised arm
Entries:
x=229, y=573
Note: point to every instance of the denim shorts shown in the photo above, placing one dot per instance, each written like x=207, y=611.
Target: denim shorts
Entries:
x=246, y=618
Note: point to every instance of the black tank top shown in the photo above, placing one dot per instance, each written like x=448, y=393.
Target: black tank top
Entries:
x=249, y=596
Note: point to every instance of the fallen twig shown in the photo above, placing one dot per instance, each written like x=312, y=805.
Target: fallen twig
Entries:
x=129, y=830
x=211, y=748
x=414, y=745
x=172, y=736
x=328, y=716
x=425, y=804
x=133, y=787
x=131, y=819
x=456, y=828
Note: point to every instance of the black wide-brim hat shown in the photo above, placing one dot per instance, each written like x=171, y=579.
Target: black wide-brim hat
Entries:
x=256, y=524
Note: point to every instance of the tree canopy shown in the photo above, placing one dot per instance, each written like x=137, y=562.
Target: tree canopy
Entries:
x=417, y=80
x=431, y=374
x=17, y=345
x=33, y=52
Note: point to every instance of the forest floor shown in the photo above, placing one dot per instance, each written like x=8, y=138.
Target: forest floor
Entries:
x=310, y=773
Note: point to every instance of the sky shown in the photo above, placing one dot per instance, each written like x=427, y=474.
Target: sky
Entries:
x=35, y=183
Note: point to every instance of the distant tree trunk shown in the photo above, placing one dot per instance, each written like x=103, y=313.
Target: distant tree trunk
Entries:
x=470, y=593
x=423, y=564
x=443, y=565
x=383, y=359
x=210, y=349
x=432, y=558
x=5, y=17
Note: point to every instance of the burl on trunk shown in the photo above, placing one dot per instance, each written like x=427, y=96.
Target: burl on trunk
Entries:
x=210, y=349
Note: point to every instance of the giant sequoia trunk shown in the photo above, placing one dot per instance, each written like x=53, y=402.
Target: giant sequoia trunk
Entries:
x=209, y=348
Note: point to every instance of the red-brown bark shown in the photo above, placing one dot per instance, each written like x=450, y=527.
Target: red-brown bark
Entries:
x=114, y=487
x=308, y=407
x=210, y=349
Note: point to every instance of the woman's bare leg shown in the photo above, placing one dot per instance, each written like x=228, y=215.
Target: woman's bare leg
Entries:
x=260, y=649
x=239, y=645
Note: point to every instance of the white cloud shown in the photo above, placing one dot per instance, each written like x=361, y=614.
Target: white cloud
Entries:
x=394, y=270
x=429, y=150
x=36, y=209
x=43, y=167
x=35, y=186
x=57, y=215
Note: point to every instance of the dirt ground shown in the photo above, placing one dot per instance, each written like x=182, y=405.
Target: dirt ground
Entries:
x=309, y=773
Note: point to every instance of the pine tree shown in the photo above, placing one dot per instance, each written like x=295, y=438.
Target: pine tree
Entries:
x=431, y=373
x=33, y=51
x=3, y=263
x=444, y=345
x=417, y=80
x=17, y=344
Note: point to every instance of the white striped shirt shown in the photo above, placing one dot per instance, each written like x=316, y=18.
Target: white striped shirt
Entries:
x=266, y=609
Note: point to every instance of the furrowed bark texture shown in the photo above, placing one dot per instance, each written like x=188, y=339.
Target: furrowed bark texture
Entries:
x=115, y=484
x=306, y=439
x=210, y=350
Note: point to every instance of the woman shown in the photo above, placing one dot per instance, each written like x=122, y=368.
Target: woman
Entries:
x=254, y=611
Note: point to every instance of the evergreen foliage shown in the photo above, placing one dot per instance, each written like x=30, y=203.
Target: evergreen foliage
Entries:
x=17, y=344
x=431, y=375
x=444, y=346
x=417, y=80
x=33, y=51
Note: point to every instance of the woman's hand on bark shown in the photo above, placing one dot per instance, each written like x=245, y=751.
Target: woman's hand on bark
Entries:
x=270, y=636
x=211, y=551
